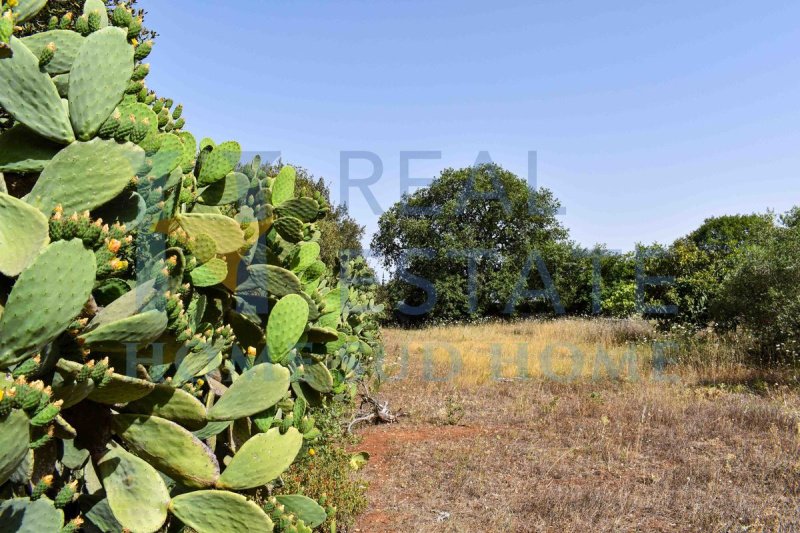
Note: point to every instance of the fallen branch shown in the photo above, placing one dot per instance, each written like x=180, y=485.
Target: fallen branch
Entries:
x=376, y=413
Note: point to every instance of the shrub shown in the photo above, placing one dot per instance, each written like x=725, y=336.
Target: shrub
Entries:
x=165, y=321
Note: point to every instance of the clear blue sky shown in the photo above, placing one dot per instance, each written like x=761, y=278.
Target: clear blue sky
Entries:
x=647, y=116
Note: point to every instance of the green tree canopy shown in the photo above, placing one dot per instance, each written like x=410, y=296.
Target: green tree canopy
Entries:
x=482, y=220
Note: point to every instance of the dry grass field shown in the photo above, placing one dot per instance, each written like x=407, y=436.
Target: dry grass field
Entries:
x=549, y=442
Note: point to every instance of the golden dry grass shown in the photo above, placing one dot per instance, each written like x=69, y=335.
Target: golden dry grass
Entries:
x=703, y=452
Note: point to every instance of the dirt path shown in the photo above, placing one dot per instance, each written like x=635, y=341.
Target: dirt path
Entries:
x=384, y=443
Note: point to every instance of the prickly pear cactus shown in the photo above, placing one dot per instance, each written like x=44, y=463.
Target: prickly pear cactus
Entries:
x=166, y=326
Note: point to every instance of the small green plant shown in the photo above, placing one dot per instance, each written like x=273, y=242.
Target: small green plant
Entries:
x=454, y=411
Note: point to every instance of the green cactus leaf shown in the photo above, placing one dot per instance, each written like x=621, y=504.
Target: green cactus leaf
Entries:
x=47, y=296
x=227, y=190
x=169, y=448
x=305, y=256
x=129, y=209
x=318, y=377
x=272, y=279
x=140, y=329
x=286, y=324
x=304, y=209
x=258, y=389
x=225, y=231
x=61, y=82
x=211, y=429
x=26, y=9
x=289, y=228
x=322, y=334
x=189, y=151
x=136, y=493
x=70, y=391
x=172, y=404
x=203, y=248
x=261, y=459
x=121, y=389
x=14, y=442
x=23, y=233
x=219, y=162
x=193, y=363
x=98, y=511
x=31, y=97
x=168, y=156
x=23, y=151
x=304, y=508
x=210, y=273
x=21, y=515
x=212, y=511
x=67, y=45
x=98, y=79
x=97, y=5
x=137, y=113
x=127, y=305
x=283, y=188
x=84, y=176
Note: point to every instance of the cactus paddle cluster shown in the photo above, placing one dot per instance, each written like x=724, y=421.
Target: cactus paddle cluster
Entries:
x=167, y=329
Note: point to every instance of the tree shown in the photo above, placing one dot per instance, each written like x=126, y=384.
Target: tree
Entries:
x=702, y=260
x=722, y=235
x=481, y=223
x=761, y=294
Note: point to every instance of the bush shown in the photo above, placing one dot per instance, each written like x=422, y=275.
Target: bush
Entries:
x=762, y=295
x=166, y=322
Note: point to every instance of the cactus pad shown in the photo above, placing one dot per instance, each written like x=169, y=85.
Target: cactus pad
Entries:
x=273, y=279
x=47, y=296
x=227, y=190
x=210, y=273
x=22, y=515
x=129, y=482
x=168, y=156
x=140, y=329
x=84, y=176
x=121, y=389
x=219, y=162
x=23, y=233
x=23, y=151
x=258, y=389
x=225, y=231
x=31, y=97
x=286, y=324
x=26, y=9
x=211, y=511
x=304, y=209
x=304, y=508
x=14, y=441
x=318, y=377
x=283, y=188
x=305, y=256
x=289, y=228
x=203, y=248
x=98, y=79
x=67, y=45
x=261, y=459
x=97, y=5
x=172, y=404
x=170, y=448
x=127, y=305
